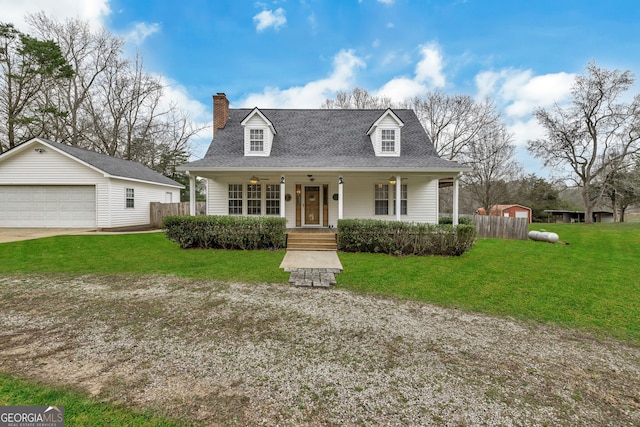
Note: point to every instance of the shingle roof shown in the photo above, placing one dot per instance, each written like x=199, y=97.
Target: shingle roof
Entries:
x=114, y=166
x=325, y=138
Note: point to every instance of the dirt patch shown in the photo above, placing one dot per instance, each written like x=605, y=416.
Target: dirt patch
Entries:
x=234, y=354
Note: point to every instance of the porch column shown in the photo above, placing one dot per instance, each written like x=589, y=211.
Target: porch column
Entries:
x=340, y=198
x=282, y=204
x=455, y=199
x=192, y=195
x=398, y=197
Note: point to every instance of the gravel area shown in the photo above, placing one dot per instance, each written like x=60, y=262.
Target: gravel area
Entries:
x=236, y=354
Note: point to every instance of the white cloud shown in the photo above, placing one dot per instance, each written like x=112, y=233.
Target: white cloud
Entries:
x=429, y=69
x=428, y=75
x=386, y=1
x=141, y=31
x=269, y=18
x=401, y=88
x=93, y=11
x=520, y=92
x=313, y=94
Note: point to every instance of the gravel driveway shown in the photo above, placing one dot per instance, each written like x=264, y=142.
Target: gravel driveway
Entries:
x=234, y=354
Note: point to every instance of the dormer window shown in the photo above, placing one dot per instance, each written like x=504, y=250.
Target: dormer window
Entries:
x=258, y=134
x=388, y=140
x=385, y=134
x=256, y=140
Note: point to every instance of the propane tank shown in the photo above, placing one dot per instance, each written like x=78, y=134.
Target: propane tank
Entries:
x=543, y=236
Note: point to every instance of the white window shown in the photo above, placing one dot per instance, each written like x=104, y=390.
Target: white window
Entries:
x=388, y=139
x=256, y=140
x=403, y=200
x=235, y=199
x=254, y=199
x=273, y=199
x=381, y=199
x=129, y=199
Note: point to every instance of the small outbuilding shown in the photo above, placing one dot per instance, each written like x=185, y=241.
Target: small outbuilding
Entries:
x=568, y=216
x=509, y=211
x=45, y=184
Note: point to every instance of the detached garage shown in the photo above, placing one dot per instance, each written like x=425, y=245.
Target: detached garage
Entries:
x=48, y=184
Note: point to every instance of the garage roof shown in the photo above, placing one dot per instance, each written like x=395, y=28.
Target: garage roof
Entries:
x=112, y=166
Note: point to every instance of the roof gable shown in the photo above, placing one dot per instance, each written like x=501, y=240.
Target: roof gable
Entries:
x=388, y=113
x=256, y=112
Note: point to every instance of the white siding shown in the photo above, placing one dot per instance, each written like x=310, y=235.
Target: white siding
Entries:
x=144, y=194
x=218, y=196
x=49, y=167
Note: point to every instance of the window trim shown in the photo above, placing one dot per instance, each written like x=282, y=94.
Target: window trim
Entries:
x=382, y=198
x=129, y=198
x=254, y=193
x=236, y=199
x=384, y=142
x=253, y=139
x=273, y=208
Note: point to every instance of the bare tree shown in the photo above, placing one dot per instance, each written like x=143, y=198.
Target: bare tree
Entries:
x=453, y=122
x=492, y=155
x=595, y=135
x=90, y=54
x=358, y=98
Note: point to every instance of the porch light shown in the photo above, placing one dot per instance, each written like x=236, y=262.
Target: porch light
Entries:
x=340, y=180
x=298, y=191
x=392, y=180
x=254, y=180
x=282, y=180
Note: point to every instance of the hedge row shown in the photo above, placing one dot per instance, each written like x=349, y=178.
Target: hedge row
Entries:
x=403, y=238
x=226, y=232
x=463, y=220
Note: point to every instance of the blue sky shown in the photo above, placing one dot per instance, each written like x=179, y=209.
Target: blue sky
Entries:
x=296, y=53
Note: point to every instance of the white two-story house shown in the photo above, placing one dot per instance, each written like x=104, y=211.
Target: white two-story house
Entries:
x=314, y=167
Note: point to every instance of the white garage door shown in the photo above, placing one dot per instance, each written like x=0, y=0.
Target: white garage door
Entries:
x=67, y=206
x=522, y=214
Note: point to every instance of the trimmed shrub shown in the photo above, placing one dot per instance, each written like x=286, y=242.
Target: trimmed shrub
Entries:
x=226, y=232
x=404, y=238
x=462, y=220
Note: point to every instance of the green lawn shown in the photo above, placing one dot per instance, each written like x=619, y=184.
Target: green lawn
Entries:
x=592, y=284
x=79, y=410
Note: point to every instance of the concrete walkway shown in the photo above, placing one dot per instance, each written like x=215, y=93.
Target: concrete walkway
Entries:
x=312, y=268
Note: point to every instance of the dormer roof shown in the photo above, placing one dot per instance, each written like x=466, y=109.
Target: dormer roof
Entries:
x=388, y=113
x=254, y=112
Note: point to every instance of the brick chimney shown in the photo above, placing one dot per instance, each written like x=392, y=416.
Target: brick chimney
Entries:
x=220, y=111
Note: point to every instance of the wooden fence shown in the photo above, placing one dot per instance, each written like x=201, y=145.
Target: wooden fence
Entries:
x=498, y=227
x=157, y=211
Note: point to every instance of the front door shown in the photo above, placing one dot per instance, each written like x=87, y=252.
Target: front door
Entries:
x=311, y=205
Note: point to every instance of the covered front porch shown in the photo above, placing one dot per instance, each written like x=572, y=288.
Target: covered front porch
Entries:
x=318, y=199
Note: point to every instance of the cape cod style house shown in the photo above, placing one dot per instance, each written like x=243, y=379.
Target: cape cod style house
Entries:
x=314, y=167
